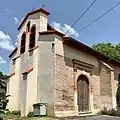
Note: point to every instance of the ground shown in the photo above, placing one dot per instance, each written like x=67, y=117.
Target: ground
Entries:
x=100, y=117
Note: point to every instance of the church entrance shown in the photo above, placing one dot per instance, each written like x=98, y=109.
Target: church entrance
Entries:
x=83, y=93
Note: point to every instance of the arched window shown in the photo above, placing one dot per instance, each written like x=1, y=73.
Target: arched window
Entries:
x=28, y=27
x=32, y=37
x=23, y=42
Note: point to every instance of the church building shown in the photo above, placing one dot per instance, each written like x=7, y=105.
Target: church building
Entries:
x=49, y=67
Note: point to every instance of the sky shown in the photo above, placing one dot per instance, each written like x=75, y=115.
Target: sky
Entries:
x=63, y=13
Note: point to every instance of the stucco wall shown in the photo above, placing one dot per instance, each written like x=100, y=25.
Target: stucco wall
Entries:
x=38, y=19
x=45, y=86
x=31, y=96
x=13, y=88
x=64, y=50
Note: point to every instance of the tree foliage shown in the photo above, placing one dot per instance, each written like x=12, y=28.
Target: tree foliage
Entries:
x=2, y=76
x=112, y=51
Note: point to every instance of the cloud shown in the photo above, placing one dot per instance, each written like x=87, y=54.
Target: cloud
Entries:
x=16, y=20
x=8, y=11
x=65, y=28
x=16, y=43
x=6, y=41
x=2, y=61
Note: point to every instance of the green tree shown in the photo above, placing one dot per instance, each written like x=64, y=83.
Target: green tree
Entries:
x=112, y=51
x=3, y=103
x=2, y=76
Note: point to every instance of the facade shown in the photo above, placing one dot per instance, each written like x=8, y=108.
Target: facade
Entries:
x=48, y=67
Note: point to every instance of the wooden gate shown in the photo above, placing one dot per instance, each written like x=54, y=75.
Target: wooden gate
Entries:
x=83, y=94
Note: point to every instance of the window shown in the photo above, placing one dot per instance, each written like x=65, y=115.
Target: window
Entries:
x=23, y=42
x=28, y=27
x=25, y=76
x=13, y=65
x=32, y=37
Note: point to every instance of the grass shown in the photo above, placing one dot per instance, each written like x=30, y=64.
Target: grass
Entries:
x=17, y=117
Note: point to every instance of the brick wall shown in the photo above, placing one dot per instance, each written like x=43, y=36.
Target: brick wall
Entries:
x=105, y=87
x=64, y=84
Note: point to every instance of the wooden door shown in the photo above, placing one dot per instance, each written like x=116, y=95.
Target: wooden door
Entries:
x=83, y=94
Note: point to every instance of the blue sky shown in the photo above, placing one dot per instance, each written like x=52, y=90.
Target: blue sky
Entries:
x=63, y=12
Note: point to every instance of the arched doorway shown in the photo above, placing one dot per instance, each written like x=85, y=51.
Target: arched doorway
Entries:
x=83, y=93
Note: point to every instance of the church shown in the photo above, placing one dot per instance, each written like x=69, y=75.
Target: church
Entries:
x=49, y=67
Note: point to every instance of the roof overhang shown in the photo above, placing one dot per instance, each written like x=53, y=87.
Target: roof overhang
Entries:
x=14, y=51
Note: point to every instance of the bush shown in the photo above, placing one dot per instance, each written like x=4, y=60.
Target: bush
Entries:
x=112, y=112
x=15, y=112
x=30, y=114
x=104, y=111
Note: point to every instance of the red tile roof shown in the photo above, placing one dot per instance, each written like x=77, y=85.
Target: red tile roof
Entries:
x=28, y=71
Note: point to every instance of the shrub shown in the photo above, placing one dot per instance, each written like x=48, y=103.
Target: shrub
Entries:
x=30, y=114
x=15, y=112
x=104, y=111
x=112, y=112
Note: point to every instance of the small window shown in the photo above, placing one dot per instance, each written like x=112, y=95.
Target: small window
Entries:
x=23, y=42
x=28, y=27
x=25, y=76
x=32, y=37
x=14, y=61
x=13, y=65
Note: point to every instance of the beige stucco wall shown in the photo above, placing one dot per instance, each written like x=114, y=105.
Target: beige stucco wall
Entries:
x=13, y=88
x=38, y=19
x=31, y=96
x=45, y=91
x=24, y=92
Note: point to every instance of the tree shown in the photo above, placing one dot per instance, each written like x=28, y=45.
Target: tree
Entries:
x=112, y=51
x=3, y=103
x=2, y=76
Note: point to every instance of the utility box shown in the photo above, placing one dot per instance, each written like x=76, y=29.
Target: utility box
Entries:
x=40, y=109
